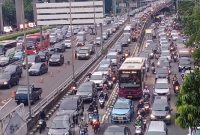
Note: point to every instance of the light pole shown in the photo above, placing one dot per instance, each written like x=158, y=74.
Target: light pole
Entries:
x=71, y=40
x=27, y=74
x=1, y=16
x=95, y=32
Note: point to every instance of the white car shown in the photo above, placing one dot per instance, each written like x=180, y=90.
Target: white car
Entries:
x=162, y=87
x=166, y=53
x=67, y=43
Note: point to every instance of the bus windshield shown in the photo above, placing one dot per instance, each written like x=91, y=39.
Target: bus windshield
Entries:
x=130, y=80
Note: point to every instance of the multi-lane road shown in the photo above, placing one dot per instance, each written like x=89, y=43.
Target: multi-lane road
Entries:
x=50, y=81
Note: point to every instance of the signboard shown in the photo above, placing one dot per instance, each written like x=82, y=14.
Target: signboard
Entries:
x=82, y=13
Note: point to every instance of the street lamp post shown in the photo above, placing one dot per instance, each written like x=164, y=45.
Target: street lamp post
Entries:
x=1, y=16
x=71, y=41
x=95, y=32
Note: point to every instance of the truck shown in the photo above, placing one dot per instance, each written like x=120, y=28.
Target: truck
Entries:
x=21, y=95
x=81, y=38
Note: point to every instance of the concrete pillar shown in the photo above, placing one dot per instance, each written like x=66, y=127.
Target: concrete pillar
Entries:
x=19, y=5
x=1, y=16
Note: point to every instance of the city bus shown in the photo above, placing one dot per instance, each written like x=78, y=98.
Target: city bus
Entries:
x=6, y=45
x=131, y=77
x=34, y=43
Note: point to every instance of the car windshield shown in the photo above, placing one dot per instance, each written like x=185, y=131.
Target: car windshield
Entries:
x=162, y=71
x=4, y=76
x=85, y=88
x=55, y=56
x=31, y=58
x=68, y=105
x=59, y=124
x=83, y=51
x=4, y=59
x=184, y=62
x=155, y=133
x=161, y=86
x=113, y=133
x=159, y=107
x=196, y=132
x=105, y=61
x=111, y=56
x=103, y=68
x=35, y=66
x=96, y=77
x=121, y=106
x=129, y=80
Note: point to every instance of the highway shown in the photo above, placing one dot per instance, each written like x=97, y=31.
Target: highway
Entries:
x=173, y=129
x=55, y=76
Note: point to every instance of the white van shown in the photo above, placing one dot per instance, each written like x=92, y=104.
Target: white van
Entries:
x=156, y=128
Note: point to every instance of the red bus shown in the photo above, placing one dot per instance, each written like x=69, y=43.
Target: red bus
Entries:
x=131, y=77
x=34, y=45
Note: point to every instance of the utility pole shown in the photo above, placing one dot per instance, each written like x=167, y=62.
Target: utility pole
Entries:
x=101, y=26
x=71, y=40
x=41, y=39
x=1, y=16
x=95, y=31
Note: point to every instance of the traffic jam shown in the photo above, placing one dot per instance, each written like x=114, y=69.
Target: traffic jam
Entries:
x=140, y=105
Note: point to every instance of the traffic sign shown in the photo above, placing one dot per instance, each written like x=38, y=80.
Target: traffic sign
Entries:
x=82, y=13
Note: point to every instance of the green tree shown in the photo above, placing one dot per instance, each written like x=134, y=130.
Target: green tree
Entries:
x=9, y=12
x=188, y=103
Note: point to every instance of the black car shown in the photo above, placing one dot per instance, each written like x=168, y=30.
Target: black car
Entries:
x=8, y=79
x=14, y=69
x=44, y=56
x=56, y=59
x=117, y=130
x=32, y=59
x=59, y=48
x=184, y=64
x=38, y=69
x=71, y=105
x=4, y=61
x=91, y=48
x=83, y=54
x=87, y=91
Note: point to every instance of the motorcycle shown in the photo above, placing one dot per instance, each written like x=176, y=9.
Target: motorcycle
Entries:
x=138, y=130
x=73, y=90
x=42, y=125
x=90, y=117
x=95, y=125
x=175, y=58
x=83, y=131
x=176, y=89
x=102, y=102
x=146, y=97
x=146, y=107
x=153, y=69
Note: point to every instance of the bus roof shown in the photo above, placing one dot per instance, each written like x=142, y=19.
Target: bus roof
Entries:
x=132, y=63
x=5, y=42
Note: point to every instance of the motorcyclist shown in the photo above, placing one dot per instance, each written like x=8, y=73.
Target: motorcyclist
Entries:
x=175, y=78
x=91, y=108
x=101, y=94
x=83, y=124
x=140, y=104
x=42, y=115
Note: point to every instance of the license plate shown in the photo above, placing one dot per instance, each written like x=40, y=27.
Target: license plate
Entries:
x=120, y=118
x=130, y=96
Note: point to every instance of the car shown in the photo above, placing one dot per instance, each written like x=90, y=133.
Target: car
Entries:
x=162, y=72
x=8, y=79
x=105, y=61
x=105, y=35
x=44, y=56
x=83, y=53
x=56, y=59
x=71, y=104
x=124, y=42
x=38, y=69
x=123, y=111
x=67, y=43
x=117, y=130
x=156, y=128
x=32, y=59
x=194, y=132
x=113, y=56
x=91, y=48
x=87, y=91
x=59, y=48
x=161, y=109
x=98, y=41
x=162, y=88
x=19, y=55
x=53, y=38
x=104, y=68
x=60, y=35
x=61, y=125
x=163, y=62
x=4, y=61
x=51, y=50
x=14, y=69
x=184, y=64
x=99, y=79
x=118, y=48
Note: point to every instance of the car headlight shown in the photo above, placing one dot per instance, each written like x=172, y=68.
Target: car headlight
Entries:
x=5, y=83
x=152, y=116
x=155, y=93
x=100, y=84
x=151, y=54
x=78, y=54
x=87, y=54
x=90, y=95
x=168, y=116
x=33, y=63
x=23, y=63
x=110, y=83
x=49, y=133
